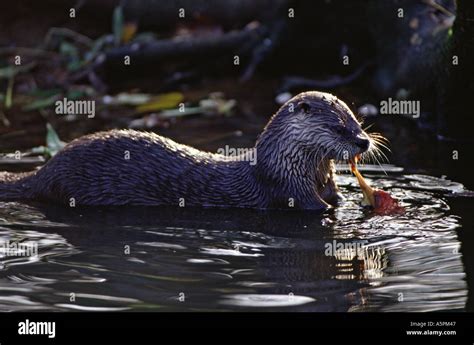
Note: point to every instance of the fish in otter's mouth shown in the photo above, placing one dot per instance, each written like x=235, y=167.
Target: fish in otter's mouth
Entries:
x=381, y=201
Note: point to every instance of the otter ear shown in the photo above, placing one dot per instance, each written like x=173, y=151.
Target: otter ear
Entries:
x=305, y=107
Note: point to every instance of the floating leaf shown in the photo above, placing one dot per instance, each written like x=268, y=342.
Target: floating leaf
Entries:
x=10, y=159
x=177, y=113
x=39, y=150
x=164, y=101
x=127, y=99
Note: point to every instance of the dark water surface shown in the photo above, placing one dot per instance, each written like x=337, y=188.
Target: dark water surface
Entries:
x=160, y=259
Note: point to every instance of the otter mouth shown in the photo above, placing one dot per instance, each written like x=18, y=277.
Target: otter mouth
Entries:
x=354, y=160
x=382, y=202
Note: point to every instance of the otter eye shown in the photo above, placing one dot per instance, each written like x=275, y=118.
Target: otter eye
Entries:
x=339, y=130
x=305, y=107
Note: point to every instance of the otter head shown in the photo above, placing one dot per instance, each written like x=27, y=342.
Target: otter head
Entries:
x=309, y=131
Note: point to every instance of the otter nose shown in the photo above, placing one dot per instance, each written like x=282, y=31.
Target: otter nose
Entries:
x=363, y=143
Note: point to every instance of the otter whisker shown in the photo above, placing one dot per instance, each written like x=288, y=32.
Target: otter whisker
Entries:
x=323, y=173
x=375, y=153
x=382, y=145
x=383, y=158
x=379, y=137
x=377, y=134
x=368, y=127
x=379, y=152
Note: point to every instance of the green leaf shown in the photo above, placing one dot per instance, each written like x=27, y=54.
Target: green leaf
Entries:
x=98, y=46
x=68, y=49
x=117, y=24
x=72, y=53
x=9, y=94
x=40, y=93
x=41, y=103
x=145, y=37
x=53, y=143
x=11, y=71
x=76, y=94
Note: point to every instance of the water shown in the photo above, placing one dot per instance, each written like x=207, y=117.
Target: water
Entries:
x=162, y=259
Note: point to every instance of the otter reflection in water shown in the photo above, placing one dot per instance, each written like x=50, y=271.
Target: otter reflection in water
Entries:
x=294, y=168
x=265, y=252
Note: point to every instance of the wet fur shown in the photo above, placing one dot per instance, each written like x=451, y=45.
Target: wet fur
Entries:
x=295, y=154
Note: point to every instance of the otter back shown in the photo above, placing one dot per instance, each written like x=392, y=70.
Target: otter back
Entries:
x=125, y=167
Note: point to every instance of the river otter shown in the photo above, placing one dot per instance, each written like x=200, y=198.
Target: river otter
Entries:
x=294, y=165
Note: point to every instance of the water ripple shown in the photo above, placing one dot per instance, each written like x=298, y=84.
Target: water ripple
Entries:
x=198, y=260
